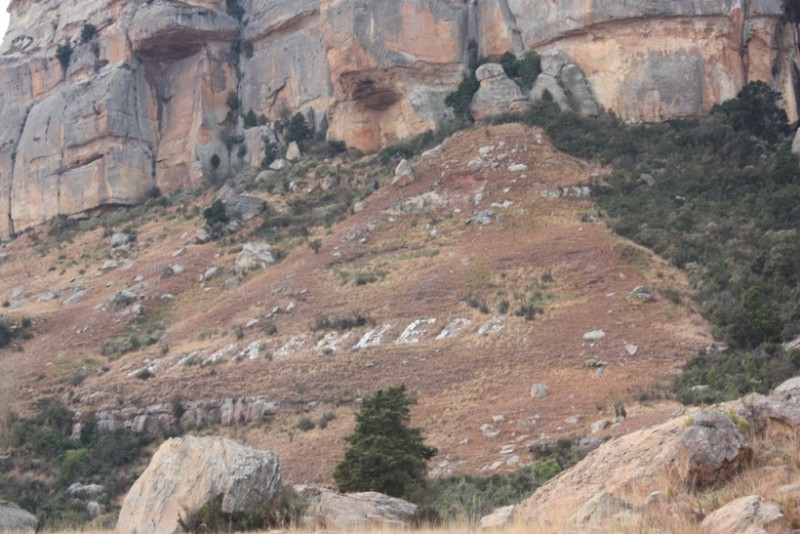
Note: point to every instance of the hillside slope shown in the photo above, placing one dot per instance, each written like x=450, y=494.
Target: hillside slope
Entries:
x=419, y=261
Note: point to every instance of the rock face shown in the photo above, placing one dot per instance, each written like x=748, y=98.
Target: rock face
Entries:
x=15, y=520
x=357, y=510
x=146, y=102
x=187, y=473
x=747, y=515
x=711, y=449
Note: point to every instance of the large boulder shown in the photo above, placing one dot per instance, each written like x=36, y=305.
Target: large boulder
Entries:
x=497, y=94
x=747, y=515
x=14, y=519
x=712, y=448
x=253, y=256
x=357, y=510
x=566, y=84
x=500, y=518
x=188, y=473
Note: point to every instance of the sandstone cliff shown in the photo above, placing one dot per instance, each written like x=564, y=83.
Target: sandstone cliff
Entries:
x=144, y=102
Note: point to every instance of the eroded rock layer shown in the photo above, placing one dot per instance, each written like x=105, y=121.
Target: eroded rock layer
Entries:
x=145, y=102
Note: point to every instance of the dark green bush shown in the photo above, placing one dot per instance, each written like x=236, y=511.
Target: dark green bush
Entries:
x=64, y=54
x=356, y=320
x=297, y=129
x=250, y=120
x=88, y=32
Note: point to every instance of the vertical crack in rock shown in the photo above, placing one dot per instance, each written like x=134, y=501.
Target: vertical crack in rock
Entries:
x=516, y=33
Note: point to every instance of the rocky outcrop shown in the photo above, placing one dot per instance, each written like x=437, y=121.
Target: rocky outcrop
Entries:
x=160, y=419
x=253, y=256
x=354, y=511
x=15, y=520
x=712, y=448
x=149, y=100
x=649, y=60
x=565, y=83
x=746, y=515
x=188, y=473
x=497, y=94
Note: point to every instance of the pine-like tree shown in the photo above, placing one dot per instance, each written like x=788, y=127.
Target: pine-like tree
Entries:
x=385, y=454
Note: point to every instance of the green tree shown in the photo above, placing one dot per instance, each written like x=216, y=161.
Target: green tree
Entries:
x=384, y=453
x=756, y=110
x=298, y=129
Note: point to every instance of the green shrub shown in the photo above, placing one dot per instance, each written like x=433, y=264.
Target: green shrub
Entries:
x=216, y=213
x=305, y=424
x=356, y=320
x=466, y=498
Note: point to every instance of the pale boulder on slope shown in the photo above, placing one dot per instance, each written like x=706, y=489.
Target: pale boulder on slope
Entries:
x=187, y=473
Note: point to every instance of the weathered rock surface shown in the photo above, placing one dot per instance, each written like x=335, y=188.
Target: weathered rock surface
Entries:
x=253, y=256
x=15, y=520
x=159, y=419
x=502, y=517
x=746, y=515
x=600, y=507
x=497, y=94
x=712, y=448
x=144, y=104
x=357, y=510
x=187, y=473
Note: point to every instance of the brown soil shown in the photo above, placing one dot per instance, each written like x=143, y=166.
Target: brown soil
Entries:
x=461, y=382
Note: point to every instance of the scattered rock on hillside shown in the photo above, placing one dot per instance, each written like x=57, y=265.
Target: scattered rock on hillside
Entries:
x=501, y=517
x=497, y=94
x=711, y=449
x=600, y=507
x=202, y=236
x=539, y=390
x=231, y=282
x=15, y=520
x=641, y=294
x=279, y=164
x=121, y=299
x=253, y=256
x=747, y=515
x=293, y=153
x=120, y=239
x=357, y=510
x=403, y=173
x=245, y=207
x=187, y=473
x=594, y=335
x=212, y=272
x=74, y=298
x=85, y=491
